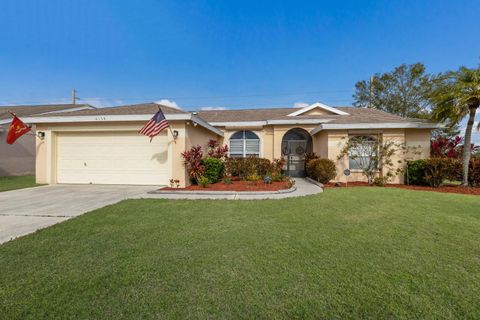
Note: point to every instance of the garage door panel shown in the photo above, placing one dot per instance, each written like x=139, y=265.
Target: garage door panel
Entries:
x=112, y=158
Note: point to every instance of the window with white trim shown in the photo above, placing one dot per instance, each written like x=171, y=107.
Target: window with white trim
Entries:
x=362, y=149
x=244, y=144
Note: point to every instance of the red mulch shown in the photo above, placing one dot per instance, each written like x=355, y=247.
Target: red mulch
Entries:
x=236, y=186
x=445, y=189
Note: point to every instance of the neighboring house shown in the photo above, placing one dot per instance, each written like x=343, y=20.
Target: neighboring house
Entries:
x=102, y=146
x=19, y=158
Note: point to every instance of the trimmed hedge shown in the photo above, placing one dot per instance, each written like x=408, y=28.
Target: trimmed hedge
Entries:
x=433, y=171
x=252, y=166
x=321, y=170
x=415, y=173
x=213, y=169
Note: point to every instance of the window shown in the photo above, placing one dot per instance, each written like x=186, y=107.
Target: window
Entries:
x=362, y=149
x=244, y=144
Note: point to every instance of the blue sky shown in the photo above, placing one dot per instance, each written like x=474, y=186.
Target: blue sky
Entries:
x=222, y=53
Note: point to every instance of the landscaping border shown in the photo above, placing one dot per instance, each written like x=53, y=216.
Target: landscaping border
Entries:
x=222, y=193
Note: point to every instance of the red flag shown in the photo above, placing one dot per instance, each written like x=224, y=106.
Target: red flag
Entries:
x=16, y=130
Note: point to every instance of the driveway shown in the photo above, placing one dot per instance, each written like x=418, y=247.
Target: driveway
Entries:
x=27, y=210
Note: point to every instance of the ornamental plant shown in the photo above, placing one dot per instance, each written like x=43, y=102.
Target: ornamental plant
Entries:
x=437, y=170
x=215, y=150
x=193, y=161
x=321, y=170
x=214, y=168
x=449, y=147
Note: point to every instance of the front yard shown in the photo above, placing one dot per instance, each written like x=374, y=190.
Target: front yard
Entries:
x=347, y=253
x=18, y=182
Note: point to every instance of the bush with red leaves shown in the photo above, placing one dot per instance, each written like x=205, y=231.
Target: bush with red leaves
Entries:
x=215, y=150
x=193, y=161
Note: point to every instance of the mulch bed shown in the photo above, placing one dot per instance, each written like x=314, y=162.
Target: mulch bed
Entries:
x=236, y=186
x=445, y=189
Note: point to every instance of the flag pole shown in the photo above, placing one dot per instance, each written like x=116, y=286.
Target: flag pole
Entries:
x=170, y=128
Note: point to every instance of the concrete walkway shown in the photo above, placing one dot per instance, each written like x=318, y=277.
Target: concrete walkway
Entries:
x=27, y=210
x=303, y=188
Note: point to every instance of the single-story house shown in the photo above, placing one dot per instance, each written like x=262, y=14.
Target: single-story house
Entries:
x=102, y=146
x=19, y=158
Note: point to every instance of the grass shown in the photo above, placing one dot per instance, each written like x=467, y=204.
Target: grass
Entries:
x=347, y=253
x=18, y=182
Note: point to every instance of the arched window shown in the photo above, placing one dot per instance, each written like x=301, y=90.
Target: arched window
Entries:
x=244, y=144
x=363, y=153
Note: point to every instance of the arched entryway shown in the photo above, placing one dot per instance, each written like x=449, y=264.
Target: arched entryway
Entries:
x=295, y=144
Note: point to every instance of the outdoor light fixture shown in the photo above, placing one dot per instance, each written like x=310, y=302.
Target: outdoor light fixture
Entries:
x=41, y=135
x=175, y=134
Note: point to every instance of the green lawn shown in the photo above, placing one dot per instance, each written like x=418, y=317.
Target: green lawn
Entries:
x=347, y=253
x=20, y=182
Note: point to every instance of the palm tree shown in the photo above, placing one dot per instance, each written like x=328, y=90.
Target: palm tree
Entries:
x=456, y=95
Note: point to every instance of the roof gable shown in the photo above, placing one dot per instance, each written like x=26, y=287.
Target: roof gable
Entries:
x=317, y=109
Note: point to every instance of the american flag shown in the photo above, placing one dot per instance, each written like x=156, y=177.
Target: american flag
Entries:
x=155, y=125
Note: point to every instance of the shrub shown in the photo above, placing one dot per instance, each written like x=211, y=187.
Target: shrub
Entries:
x=193, y=161
x=203, y=181
x=277, y=177
x=227, y=180
x=437, y=170
x=415, y=173
x=244, y=167
x=381, y=181
x=213, y=169
x=215, y=150
x=449, y=147
x=289, y=182
x=276, y=167
x=311, y=156
x=321, y=170
x=474, y=172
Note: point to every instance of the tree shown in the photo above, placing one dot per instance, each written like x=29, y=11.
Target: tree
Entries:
x=455, y=96
x=403, y=91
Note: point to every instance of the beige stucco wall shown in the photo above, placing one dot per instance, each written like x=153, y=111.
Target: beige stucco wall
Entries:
x=417, y=143
x=18, y=158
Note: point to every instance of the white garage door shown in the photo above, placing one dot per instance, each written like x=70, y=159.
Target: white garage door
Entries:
x=112, y=158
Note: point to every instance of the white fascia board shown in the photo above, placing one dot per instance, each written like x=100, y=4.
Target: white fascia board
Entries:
x=379, y=125
x=206, y=125
x=239, y=124
x=116, y=118
x=317, y=105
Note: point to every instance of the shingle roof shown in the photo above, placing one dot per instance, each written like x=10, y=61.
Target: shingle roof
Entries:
x=30, y=110
x=356, y=115
x=144, y=108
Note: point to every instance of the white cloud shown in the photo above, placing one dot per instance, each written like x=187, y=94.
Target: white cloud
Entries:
x=300, y=105
x=168, y=103
x=213, y=108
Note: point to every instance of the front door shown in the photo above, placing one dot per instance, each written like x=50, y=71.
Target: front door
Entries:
x=295, y=155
